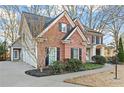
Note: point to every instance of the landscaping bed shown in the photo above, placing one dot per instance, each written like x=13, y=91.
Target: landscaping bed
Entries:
x=58, y=68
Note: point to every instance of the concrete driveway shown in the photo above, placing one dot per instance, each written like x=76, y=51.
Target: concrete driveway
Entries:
x=12, y=75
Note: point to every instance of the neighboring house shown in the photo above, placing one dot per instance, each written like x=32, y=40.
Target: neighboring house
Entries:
x=109, y=51
x=44, y=40
x=95, y=44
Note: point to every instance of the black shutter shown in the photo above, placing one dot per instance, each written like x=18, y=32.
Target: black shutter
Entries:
x=58, y=54
x=80, y=53
x=71, y=52
x=68, y=27
x=60, y=27
x=47, y=57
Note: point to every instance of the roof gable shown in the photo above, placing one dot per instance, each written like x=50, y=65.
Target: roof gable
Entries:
x=77, y=20
x=59, y=17
x=72, y=32
x=36, y=23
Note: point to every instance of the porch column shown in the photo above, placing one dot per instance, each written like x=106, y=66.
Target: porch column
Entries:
x=102, y=51
x=94, y=50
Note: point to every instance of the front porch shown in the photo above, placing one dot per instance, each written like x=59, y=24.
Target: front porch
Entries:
x=94, y=50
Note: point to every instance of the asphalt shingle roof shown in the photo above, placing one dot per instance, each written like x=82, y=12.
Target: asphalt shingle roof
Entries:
x=37, y=23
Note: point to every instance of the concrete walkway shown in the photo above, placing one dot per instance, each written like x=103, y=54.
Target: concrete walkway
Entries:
x=12, y=75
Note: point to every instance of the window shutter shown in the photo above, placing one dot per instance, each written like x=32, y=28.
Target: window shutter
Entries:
x=80, y=53
x=58, y=53
x=71, y=52
x=47, y=57
x=60, y=27
x=68, y=27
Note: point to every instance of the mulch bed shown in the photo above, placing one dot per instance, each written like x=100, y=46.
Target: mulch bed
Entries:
x=37, y=73
x=48, y=72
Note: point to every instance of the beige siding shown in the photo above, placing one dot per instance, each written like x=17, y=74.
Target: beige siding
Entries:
x=28, y=45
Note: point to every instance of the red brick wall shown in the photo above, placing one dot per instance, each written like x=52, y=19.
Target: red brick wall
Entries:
x=54, y=39
x=76, y=42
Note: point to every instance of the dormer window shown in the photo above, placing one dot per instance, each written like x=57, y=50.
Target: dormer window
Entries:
x=63, y=27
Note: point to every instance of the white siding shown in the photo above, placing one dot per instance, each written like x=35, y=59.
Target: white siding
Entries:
x=28, y=46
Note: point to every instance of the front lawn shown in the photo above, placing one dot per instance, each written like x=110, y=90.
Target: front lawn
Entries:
x=103, y=79
x=90, y=66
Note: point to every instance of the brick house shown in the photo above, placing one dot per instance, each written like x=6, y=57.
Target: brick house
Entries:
x=44, y=40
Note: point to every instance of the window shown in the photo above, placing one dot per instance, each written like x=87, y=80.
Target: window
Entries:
x=53, y=54
x=16, y=54
x=76, y=53
x=97, y=40
x=63, y=27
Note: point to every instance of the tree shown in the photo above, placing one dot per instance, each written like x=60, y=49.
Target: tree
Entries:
x=121, y=51
x=46, y=10
x=114, y=27
x=115, y=24
x=93, y=17
x=3, y=50
x=9, y=22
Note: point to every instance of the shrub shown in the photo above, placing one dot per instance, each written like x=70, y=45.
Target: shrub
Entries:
x=121, y=51
x=121, y=57
x=99, y=59
x=112, y=60
x=73, y=65
x=57, y=67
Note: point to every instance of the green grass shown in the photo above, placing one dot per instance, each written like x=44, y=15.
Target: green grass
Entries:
x=90, y=66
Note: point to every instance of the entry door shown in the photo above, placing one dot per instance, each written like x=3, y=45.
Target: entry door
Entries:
x=97, y=51
x=52, y=55
x=15, y=54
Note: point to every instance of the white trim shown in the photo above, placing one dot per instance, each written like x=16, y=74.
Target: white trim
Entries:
x=94, y=50
x=79, y=23
x=16, y=58
x=55, y=54
x=11, y=53
x=102, y=51
x=63, y=14
x=80, y=33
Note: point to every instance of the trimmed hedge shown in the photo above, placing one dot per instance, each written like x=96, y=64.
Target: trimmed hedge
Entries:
x=57, y=67
x=99, y=59
x=73, y=65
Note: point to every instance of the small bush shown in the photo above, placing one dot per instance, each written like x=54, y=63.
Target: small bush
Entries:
x=99, y=59
x=57, y=67
x=112, y=60
x=73, y=65
x=121, y=57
